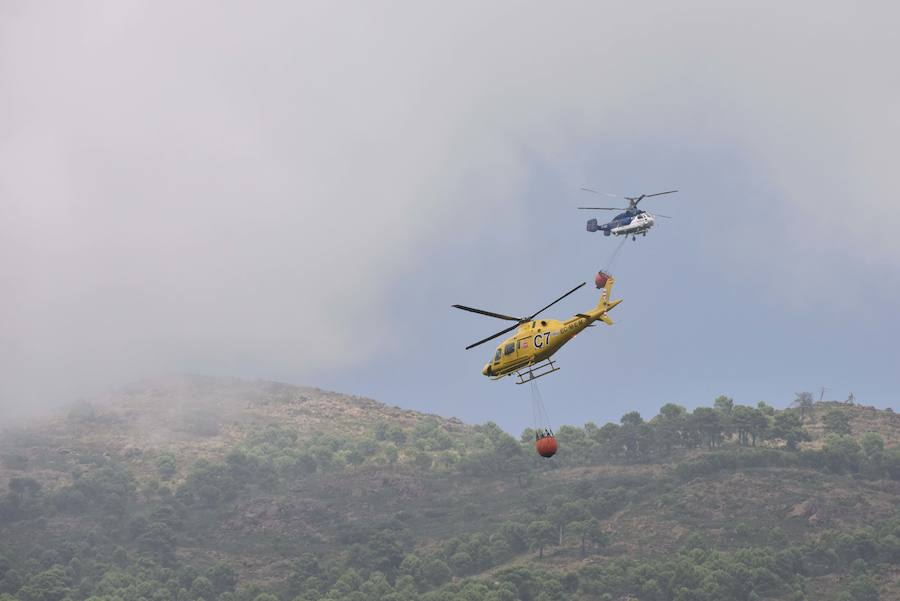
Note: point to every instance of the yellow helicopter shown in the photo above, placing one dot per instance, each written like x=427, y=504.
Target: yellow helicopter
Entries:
x=528, y=352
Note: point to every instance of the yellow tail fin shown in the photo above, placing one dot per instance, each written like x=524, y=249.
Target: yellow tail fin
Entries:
x=606, y=293
x=605, y=281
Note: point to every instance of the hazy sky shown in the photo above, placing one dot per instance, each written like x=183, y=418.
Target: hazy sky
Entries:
x=300, y=191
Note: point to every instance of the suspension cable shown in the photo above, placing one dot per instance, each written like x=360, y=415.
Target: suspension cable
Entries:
x=615, y=255
x=538, y=410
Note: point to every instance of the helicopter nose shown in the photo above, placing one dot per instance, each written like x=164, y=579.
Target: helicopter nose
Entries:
x=487, y=370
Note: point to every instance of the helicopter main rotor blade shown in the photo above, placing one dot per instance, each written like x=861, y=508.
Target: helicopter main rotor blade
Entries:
x=556, y=301
x=604, y=208
x=658, y=194
x=519, y=321
x=488, y=313
x=489, y=338
x=658, y=215
x=604, y=193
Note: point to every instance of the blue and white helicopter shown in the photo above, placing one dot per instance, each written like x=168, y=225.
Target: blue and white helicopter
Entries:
x=632, y=222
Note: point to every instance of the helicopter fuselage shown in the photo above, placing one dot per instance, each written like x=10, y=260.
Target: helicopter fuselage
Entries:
x=638, y=224
x=538, y=340
x=627, y=223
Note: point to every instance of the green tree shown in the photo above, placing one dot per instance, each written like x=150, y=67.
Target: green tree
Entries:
x=708, y=422
x=632, y=418
x=540, y=533
x=15, y=461
x=386, y=550
x=166, y=466
x=589, y=531
x=723, y=404
x=742, y=422
x=861, y=588
x=891, y=461
x=391, y=454
x=159, y=540
x=597, y=537
x=50, y=585
x=529, y=435
x=841, y=452
x=749, y=423
x=804, y=402
x=23, y=500
x=515, y=535
x=210, y=495
x=669, y=427
x=376, y=587
x=608, y=438
x=223, y=577
x=202, y=588
x=872, y=444
x=766, y=408
x=24, y=487
x=563, y=512
x=354, y=457
x=672, y=411
x=462, y=563
x=413, y=566
x=837, y=422
x=669, y=432
x=423, y=460
x=348, y=582
x=635, y=436
x=246, y=592
x=304, y=567
x=436, y=572
x=759, y=428
x=788, y=427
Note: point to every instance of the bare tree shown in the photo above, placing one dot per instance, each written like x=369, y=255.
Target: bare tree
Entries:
x=805, y=403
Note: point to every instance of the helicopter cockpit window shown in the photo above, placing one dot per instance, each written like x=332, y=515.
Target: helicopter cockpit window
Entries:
x=497, y=356
x=509, y=348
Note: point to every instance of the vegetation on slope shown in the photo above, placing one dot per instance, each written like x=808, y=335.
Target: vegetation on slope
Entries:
x=212, y=490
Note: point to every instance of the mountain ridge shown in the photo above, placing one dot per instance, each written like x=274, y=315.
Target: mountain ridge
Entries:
x=193, y=474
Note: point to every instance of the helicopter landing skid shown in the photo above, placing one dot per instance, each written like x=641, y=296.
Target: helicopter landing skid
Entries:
x=533, y=372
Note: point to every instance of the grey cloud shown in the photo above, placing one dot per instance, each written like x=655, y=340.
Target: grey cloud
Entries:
x=225, y=184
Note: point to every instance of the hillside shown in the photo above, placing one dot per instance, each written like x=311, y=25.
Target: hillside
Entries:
x=197, y=488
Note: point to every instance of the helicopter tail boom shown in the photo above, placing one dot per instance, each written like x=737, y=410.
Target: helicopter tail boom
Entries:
x=594, y=226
